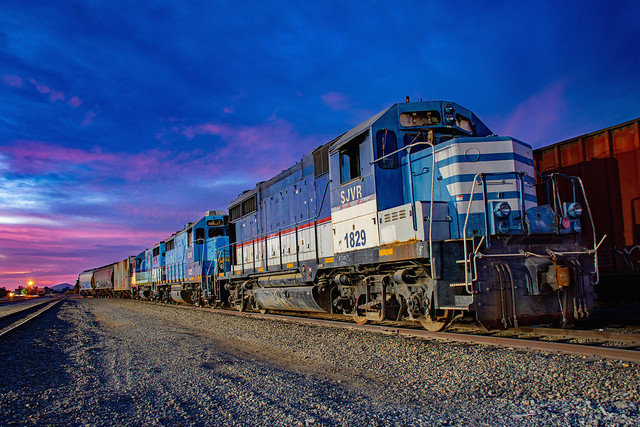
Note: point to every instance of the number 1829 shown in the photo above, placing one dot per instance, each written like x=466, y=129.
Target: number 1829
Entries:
x=355, y=239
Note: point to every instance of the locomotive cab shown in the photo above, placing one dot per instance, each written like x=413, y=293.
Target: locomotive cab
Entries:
x=196, y=256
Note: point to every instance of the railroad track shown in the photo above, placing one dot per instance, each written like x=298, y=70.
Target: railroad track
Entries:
x=16, y=299
x=17, y=318
x=596, y=344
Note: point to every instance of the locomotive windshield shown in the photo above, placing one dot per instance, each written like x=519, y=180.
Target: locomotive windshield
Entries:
x=420, y=118
x=463, y=123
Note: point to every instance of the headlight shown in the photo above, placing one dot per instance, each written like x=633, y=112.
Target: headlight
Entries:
x=574, y=210
x=503, y=210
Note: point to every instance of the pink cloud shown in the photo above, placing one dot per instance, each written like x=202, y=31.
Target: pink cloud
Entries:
x=52, y=255
x=74, y=101
x=205, y=128
x=336, y=101
x=274, y=145
x=13, y=81
x=40, y=157
x=535, y=119
x=40, y=87
x=88, y=118
x=54, y=95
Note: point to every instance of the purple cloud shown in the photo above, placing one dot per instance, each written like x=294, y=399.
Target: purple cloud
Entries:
x=205, y=128
x=40, y=87
x=74, y=101
x=336, y=101
x=13, y=81
x=44, y=254
x=534, y=119
x=42, y=157
x=54, y=95
x=88, y=118
x=269, y=143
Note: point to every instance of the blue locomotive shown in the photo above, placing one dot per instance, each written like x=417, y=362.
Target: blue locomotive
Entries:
x=183, y=267
x=420, y=213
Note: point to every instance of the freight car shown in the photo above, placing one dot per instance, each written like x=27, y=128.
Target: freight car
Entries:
x=86, y=285
x=122, y=277
x=420, y=213
x=112, y=280
x=608, y=162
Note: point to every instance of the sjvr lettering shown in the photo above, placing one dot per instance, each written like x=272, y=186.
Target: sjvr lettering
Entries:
x=350, y=194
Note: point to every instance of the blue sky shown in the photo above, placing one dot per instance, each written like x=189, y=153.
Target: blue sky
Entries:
x=120, y=123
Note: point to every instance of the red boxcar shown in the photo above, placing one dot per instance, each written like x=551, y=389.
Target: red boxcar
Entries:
x=607, y=161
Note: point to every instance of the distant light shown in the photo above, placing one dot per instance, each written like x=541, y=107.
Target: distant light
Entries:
x=10, y=294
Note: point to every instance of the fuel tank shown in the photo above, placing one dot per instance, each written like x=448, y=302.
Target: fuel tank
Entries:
x=298, y=298
x=180, y=295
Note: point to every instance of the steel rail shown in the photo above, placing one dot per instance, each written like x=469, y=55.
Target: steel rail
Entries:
x=520, y=343
x=17, y=298
x=30, y=317
x=568, y=334
x=25, y=307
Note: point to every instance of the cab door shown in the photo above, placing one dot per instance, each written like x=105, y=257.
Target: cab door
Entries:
x=353, y=196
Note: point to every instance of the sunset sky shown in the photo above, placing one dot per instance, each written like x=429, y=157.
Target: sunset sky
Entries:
x=119, y=122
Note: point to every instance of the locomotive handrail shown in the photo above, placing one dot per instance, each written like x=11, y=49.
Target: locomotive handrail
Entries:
x=468, y=284
x=407, y=148
x=593, y=227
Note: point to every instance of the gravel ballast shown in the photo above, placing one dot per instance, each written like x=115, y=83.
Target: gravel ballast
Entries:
x=121, y=362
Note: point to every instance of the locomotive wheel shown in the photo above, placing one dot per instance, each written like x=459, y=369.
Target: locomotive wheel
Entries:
x=361, y=320
x=433, y=326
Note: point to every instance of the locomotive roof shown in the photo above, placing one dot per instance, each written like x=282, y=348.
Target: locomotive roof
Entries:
x=361, y=128
x=480, y=128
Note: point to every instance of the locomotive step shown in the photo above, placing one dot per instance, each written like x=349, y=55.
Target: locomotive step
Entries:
x=458, y=285
x=463, y=300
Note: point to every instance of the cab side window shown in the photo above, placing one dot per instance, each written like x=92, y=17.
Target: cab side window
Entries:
x=350, y=159
x=349, y=163
x=387, y=143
